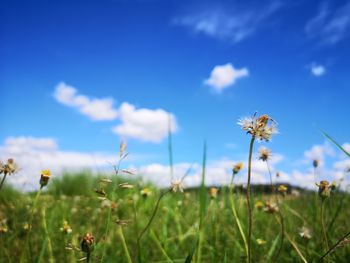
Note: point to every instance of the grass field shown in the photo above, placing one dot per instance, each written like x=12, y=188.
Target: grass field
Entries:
x=176, y=227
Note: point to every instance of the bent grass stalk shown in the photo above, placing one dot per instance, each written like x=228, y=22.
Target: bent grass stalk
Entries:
x=250, y=216
x=3, y=180
x=125, y=247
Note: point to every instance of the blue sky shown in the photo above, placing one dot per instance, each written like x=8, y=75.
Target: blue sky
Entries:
x=122, y=66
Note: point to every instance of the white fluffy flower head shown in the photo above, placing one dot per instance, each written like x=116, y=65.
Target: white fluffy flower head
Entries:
x=262, y=127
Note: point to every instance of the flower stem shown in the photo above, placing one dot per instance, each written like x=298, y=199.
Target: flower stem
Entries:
x=279, y=213
x=250, y=216
x=30, y=224
x=2, y=181
x=234, y=211
x=125, y=247
x=149, y=224
x=333, y=247
x=323, y=227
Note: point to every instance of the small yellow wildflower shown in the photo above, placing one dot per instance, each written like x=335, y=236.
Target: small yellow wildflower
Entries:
x=213, y=192
x=146, y=192
x=66, y=228
x=259, y=205
x=237, y=167
x=260, y=241
x=282, y=189
x=44, y=178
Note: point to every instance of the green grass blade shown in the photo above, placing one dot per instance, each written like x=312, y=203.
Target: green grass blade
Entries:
x=337, y=144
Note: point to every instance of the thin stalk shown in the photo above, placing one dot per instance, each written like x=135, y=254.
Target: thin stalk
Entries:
x=156, y=240
x=235, y=215
x=333, y=247
x=49, y=247
x=170, y=149
x=279, y=213
x=2, y=181
x=296, y=248
x=30, y=224
x=125, y=247
x=250, y=216
x=138, y=254
x=323, y=226
x=116, y=170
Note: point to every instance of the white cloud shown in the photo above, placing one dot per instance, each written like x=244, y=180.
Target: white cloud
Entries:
x=330, y=26
x=318, y=70
x=141, y=124
x=36, y=154
x=95, y=109
x=227, y=23
x=318, y=152
x=223, y=76
x=144, y=124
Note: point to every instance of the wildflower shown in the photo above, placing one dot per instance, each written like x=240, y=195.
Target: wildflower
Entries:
x=324, y=189
x=264, y=154
x=259, y=127
x=237, y=167
x=145, y=192
x=3, y=229
x=305, y=233
x=259, y=205
x=213, y=192
x=282, y=189
x=295, y=192
x=26, y=227
x=44, y=179
x=177, y=185
x=270, y=208
x=126, y=186
x=66, y=228
x=260, y=241
x=315, y=163
x=278, y=175
x=105, y=203
x=87, y=243
x=10, y=167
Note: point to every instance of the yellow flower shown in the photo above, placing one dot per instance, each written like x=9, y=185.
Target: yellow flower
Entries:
x=259, y=205
x=66, y=228
x=260, y=241
x=145, y=192
x=213, y=192
x=282, y=189
x=237, y=167
x=44, y=178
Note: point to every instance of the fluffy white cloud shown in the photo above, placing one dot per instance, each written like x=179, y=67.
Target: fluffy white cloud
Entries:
x=95, y=109
x=318, y=70
x=330, y=26
x=144, y=124
x=36, y=154
x=141, y=124
x=226, y=22
x=223, y=76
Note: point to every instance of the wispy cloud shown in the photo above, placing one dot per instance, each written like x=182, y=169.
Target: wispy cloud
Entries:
x=95, y=109
x=223, y=76
x=232, y=23
x=330, y=26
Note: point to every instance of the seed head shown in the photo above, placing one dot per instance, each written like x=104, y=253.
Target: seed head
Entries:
x=87, y=243
x=8, y=168
x=262, y=127
x=305, y=232
x=324, y=189
x=315, y=163
x=177, y=185
x=264, y=154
